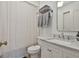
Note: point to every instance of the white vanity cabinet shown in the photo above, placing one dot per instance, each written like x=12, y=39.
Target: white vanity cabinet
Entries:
x=51, y=50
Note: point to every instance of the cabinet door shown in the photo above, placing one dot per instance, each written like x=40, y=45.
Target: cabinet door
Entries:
x=46, y=52
x=50, y=51
x=56, y=51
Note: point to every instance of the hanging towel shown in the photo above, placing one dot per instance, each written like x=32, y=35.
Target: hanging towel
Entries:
x=46, y=19
x=49, y=18
x=40, y=20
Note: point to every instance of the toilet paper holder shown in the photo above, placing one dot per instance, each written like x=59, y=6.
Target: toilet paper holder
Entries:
x=3, y=43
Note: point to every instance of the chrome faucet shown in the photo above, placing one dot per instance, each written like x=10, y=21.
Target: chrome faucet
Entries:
x=62, y=35
x=68, y=37
x=59, y=36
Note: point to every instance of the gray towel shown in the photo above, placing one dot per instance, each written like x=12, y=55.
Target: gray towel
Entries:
x=40, y=20
x=46, y=19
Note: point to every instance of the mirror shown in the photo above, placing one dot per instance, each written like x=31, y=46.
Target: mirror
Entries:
x=68, y=16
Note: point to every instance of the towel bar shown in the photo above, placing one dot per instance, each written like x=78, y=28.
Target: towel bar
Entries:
x=45, y=9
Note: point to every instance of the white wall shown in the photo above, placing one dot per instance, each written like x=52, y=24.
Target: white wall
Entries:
x=49, y=31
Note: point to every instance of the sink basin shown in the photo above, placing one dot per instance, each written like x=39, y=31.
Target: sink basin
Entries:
x=63, y=42
x=66, y=43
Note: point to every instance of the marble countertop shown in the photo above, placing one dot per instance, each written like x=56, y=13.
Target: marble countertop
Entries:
x=73, y=45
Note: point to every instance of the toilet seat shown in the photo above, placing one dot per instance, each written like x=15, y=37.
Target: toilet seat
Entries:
x=33, y=49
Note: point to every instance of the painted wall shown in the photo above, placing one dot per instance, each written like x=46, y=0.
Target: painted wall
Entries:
x=49, y=31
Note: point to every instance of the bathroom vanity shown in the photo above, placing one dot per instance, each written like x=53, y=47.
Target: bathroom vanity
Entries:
x=67, y=26
x=54, y=48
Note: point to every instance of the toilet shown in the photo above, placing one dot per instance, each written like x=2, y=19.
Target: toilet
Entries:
x=34, y=51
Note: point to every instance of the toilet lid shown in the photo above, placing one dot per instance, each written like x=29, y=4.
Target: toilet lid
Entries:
x=36, y=47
